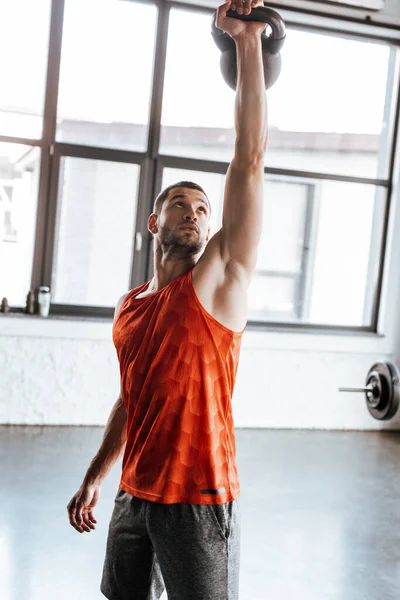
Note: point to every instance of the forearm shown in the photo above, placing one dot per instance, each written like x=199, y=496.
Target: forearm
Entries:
x=251, y=101
x=112, y=445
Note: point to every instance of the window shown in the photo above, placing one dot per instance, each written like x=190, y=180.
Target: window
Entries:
x=19, y=176
x=327, y=110
x=106, y=71
x=24, y=50
x=320, y=251
x=118, y=126
x=95, y=231
x=346, y=253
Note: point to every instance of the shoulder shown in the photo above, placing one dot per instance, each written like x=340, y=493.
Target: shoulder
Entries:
x=120, y=304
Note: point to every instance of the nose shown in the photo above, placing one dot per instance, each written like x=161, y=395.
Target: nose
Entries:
x=191, y=215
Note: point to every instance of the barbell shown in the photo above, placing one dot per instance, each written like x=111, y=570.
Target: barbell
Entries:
x=271, y=45
x=382, y=391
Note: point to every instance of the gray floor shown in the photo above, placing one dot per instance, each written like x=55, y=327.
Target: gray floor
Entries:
x=320, y=515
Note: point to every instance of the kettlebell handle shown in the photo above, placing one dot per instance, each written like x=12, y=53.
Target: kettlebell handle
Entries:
x=271, y=45
x=263, y=14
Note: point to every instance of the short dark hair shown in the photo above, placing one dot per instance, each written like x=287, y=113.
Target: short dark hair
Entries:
x=162, y=196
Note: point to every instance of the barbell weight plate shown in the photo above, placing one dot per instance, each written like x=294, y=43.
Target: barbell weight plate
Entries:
x=386, y=406
x=375, y=396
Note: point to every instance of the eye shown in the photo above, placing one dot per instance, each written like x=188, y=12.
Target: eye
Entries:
x=176, y=203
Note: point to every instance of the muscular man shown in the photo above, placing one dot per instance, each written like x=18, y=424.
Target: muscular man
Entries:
x=176, y=519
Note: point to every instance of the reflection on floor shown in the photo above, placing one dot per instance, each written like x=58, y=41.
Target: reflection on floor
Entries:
x=320, y=515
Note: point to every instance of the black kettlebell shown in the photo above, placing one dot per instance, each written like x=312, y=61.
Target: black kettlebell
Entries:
x=271, y=45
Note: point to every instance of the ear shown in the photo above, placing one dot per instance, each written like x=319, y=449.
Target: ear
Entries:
x=152, y=224
x=208, y=234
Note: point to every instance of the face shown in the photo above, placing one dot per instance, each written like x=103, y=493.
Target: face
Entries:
x=183, y=224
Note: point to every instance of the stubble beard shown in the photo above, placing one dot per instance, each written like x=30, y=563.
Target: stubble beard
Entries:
x=175, y=246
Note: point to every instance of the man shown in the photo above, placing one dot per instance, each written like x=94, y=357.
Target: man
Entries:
x=176, y=520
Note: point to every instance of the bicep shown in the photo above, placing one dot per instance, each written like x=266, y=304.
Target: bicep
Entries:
x=242, y=214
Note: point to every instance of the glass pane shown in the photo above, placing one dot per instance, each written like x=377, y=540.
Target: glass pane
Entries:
x=272, y=298
x=24, y=41
x=323, y=239
x=114, y=42
x=95, y=231
x=284, y=224
x=335, y=125
x=197, y=121
x=19, y=182
x=345, y=253
x=320, y=249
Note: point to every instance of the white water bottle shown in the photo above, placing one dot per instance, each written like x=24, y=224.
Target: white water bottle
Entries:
x=44, y=301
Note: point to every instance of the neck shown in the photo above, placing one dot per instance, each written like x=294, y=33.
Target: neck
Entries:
x=165, y=271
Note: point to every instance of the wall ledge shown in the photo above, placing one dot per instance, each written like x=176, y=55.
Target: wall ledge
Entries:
x=90, y=328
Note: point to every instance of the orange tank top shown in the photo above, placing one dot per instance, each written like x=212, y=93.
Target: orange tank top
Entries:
x=178, y=367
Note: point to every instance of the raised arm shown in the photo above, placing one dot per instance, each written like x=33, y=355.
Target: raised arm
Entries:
x=243, y=201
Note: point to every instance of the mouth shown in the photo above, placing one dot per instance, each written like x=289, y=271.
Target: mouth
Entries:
x=189, y=228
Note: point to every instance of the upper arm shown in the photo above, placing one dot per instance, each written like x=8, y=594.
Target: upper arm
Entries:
x=242, y=216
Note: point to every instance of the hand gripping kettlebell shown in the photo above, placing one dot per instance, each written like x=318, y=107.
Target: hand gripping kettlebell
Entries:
x=271, y=45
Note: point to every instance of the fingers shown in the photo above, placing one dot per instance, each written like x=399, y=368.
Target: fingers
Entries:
x=88, y=520
x=237, y=5
x=247, y=5
x=75, y=516
x=92, y=518
x=80, y=517
x=223, y=9
x=72, y=517
x=221, y=12
x=243, y=7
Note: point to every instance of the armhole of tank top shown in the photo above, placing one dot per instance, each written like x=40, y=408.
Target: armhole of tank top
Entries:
x=128, y=297
x=135, y=291
x=235, y=334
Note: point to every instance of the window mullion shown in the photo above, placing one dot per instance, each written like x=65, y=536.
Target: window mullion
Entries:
x=43, y=250
x=160, y=57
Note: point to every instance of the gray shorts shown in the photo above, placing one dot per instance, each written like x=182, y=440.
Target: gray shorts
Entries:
x=192, y=550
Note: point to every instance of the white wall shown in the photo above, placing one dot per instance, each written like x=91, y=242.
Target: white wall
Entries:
x=63, y=372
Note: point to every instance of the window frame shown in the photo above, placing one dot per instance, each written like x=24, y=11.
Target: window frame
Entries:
x=151, y=162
